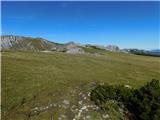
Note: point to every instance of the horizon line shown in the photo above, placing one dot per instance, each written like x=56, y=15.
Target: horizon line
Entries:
x=80, y=42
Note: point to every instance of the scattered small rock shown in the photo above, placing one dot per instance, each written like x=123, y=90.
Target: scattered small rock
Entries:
x=66, y=102
x=105, y=116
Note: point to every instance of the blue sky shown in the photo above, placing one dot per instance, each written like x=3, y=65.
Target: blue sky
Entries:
x=126, y=24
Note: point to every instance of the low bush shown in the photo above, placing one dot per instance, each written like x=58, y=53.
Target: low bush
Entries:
x=142, y=103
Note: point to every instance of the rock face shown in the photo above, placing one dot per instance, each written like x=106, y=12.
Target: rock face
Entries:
x=25, y=43
x=8, y=42
x=20, y=43
x=73, y=48
x=112, y=48
x=75, y=51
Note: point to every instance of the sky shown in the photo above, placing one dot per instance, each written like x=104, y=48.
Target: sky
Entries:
x=126, y=24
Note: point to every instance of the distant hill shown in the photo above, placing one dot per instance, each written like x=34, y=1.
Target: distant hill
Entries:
x=21, y=43
x=26, y=43
x=155, y=53
x=112, y=48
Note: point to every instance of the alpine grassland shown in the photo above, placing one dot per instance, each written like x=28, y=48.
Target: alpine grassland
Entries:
x=54, y=86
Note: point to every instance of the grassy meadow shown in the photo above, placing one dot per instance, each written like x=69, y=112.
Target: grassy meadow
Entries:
x=31, y=79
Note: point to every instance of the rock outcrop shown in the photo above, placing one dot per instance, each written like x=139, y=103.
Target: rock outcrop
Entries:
x=25, y=43
x=75, y=50
x=112, y=48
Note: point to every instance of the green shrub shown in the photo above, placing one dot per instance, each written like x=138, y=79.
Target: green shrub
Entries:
x=143, y=103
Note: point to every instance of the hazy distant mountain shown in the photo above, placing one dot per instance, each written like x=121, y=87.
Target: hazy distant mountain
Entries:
x=143, y=52
x=155, y=52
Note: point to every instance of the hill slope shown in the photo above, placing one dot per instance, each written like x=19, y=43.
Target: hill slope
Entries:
x=25, y=43
x=40, y=86
x=20, y=43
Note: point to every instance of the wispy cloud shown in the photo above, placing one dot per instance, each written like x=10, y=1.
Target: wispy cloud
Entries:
x=66, y=4
x=24, y=17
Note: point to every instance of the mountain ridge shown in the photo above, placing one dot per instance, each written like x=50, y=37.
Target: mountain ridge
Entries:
x=15, y=42
x=22, y=43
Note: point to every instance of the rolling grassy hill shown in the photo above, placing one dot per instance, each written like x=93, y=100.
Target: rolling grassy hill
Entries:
x=47, y=86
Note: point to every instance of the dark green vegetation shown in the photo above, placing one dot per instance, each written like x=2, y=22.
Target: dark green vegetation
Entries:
x=141, y=104
x=145, y=53
x=94, y=50
x=31, y=80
